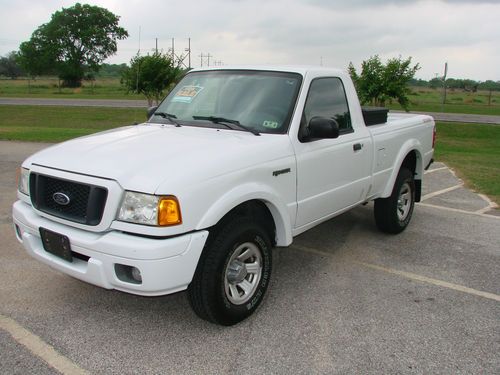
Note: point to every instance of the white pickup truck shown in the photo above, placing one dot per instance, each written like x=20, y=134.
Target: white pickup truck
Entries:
x=234, y=161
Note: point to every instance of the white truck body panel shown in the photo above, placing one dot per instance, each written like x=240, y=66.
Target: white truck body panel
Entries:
x=211, y=171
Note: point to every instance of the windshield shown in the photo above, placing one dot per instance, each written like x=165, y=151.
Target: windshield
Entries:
x=256, y=101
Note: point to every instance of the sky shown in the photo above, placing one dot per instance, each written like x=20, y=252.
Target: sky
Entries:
x=464, y=33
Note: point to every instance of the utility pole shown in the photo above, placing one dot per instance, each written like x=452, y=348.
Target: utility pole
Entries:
x=138, y=65
x=207, y=57
x=189, y=53
x=173, y=52
x=156, y=48
x=444, y=85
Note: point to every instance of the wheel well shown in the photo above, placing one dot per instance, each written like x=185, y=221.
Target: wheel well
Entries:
x=255, y=209
x=410, y=162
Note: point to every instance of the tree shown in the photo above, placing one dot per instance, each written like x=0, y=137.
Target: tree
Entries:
x=34, y=60
x=9, y=66
x=74, y=42
x=490, y=85
x=378, y=83
x=151, y=75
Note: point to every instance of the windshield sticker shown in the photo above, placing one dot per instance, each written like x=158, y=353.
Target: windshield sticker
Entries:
x=270, y=124
x=186, y=94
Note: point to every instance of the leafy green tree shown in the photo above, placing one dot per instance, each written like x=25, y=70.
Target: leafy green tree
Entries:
x=9, y=66
x=490, y=85
x=74, y=42
x=377, y=83
x=435, y=83
x=34, y=60
x=151, y=75
x=112, y=70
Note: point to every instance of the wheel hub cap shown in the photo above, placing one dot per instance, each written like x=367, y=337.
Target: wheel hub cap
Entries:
x=243, y=273
x=237, y=272
x=404, y=201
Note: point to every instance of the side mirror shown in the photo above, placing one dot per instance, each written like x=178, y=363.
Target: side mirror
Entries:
x=151, y=110
x=321, y=127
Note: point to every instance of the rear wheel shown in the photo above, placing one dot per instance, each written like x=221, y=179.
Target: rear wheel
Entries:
x=233, y=273
x=393, y=214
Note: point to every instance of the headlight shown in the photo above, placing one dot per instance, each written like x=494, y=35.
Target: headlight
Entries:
x=23, y=181
x=149, y=209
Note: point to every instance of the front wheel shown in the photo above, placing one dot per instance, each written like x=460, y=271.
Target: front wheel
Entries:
x=393, y=214
x=233, y=273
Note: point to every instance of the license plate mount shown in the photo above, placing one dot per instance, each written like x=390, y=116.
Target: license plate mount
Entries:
x=56, y=244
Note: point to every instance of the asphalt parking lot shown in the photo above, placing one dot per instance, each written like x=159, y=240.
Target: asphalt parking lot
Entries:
x=344, y=299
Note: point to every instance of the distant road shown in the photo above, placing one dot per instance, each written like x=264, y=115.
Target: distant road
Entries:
x=460, y=117
x=115, y=103
x=122, y=103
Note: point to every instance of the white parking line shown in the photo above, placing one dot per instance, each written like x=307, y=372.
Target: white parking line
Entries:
x=459, y=210
x=435, y=170
x=429, y=280
x=39, y=347
x=409, y=275
x=439, y=192
x=491, y=204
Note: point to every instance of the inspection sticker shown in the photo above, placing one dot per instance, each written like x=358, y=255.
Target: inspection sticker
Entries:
x=186, y=94
x=270, y=124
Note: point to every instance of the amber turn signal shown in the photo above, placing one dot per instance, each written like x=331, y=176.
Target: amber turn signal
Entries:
x=169, y=211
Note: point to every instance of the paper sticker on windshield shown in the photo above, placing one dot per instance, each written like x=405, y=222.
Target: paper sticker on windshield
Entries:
x=186, y=94
x=270, y=124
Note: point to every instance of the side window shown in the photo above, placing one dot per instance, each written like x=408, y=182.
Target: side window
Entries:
x=326, y=98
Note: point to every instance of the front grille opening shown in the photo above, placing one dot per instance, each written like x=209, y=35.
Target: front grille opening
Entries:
x=84, y=204
x=80, y=256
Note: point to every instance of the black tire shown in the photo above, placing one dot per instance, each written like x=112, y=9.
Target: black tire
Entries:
x=210, y=294
x=391, y=214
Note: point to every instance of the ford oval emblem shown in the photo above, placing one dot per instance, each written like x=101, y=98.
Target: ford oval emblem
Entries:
x=61, y=199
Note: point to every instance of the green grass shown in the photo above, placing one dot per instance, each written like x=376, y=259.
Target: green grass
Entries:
x=47, y=87
x=473, y=151
x=457, y=101
x=422, y=98
x=55, y=124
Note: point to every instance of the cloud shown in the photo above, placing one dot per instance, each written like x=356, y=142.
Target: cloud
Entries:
x=463, y=32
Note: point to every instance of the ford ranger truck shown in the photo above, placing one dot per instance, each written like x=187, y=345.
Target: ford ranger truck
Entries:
x=234, y=162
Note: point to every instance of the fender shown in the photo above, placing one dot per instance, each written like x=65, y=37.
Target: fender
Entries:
x=247, y=192
x=408, y=146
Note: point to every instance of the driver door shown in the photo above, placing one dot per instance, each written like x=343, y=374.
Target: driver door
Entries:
x=332, y=174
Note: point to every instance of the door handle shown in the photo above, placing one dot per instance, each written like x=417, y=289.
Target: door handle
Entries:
x=357, y=146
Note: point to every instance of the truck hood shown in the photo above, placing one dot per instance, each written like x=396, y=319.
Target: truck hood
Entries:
x=147, y=156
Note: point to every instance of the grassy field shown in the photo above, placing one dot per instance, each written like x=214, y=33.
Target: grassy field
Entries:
x=457, y=101
x=422, y=99
x=55, y=124
x=48, y=87
x=473, y=151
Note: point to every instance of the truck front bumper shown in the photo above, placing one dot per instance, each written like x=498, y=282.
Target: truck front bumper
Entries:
x=166, y=265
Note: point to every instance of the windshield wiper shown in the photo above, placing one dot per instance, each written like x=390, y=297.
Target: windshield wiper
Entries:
x=225, y=121
x=169, y=117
